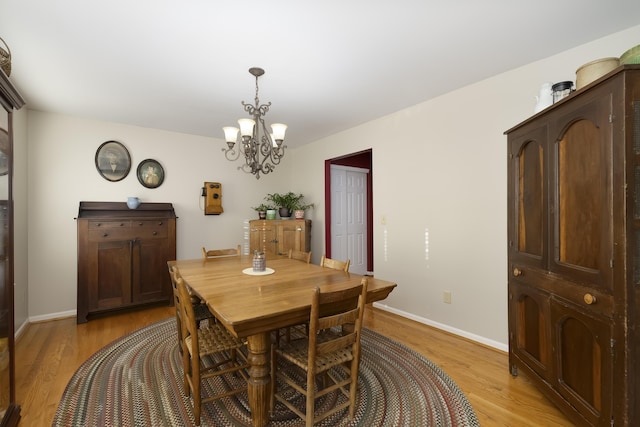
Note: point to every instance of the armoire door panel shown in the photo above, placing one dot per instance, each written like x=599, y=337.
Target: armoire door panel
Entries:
x=527, y=210
x=529, y=325
x=583, y=359
x=581, y=185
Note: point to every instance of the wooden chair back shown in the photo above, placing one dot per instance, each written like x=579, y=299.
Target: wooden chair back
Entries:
x=300, y=255
x=335, y=264
x=216, y=253
x=335, y=327
x=175, y=275
x=214, y=339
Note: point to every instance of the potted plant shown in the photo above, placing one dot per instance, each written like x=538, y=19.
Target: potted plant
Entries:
x=299, y=208
x=262, y=209
x=287, y=202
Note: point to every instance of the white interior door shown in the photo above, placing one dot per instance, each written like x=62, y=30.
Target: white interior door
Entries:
x=349, y=216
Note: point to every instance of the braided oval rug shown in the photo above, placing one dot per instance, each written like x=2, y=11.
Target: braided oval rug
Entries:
x=137, y=381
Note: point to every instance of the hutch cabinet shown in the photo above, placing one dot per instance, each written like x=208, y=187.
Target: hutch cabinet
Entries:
x=123, y=254
x=10, y=100
x=276, y=237
x=574, y=251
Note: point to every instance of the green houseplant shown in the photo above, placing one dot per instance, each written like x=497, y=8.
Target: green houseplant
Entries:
x=288, y=202
x=262, y=209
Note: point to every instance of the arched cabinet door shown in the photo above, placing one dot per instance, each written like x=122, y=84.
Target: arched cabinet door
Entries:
x=581, y=186
x=10, y=101
x=528, y=208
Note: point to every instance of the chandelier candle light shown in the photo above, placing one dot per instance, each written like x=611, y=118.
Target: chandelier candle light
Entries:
x=261, y=153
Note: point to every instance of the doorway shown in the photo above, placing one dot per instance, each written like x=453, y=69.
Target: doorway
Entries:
x=349, y=210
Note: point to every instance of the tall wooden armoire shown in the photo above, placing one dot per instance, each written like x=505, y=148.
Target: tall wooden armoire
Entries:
x=11, y=101
x=574, y=250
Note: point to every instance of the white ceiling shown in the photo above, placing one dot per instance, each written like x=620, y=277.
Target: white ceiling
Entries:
x=182, y=65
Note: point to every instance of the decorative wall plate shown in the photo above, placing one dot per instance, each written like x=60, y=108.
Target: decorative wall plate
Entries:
x=113, y=161
x=150, y=173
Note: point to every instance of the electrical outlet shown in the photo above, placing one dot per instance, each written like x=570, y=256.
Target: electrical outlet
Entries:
x=446, y=297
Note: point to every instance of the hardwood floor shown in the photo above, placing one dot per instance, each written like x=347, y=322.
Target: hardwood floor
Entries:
x=48, y=353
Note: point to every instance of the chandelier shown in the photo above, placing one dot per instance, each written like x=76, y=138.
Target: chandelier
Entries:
x=261, y=152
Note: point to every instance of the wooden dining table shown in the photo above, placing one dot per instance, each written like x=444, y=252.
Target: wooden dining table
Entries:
x=253, y=305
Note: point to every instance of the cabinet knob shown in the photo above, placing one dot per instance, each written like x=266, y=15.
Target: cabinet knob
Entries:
x=140, y=223
x=155, y=233
x=105, y=235
x=159, y=222
x=589, y=299
x=299, y=229
x=517, y=272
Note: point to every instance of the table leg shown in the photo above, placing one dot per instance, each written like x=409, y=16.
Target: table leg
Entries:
x=259, y=378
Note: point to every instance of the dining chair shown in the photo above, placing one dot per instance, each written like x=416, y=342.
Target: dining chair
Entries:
x=334, y=263
x=216, y=253
x=201, y=311
x=224, y=356
x=331, y=350
x=300, y=255
x=302, y=330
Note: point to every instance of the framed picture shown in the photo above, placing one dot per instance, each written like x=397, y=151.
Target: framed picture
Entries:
x=4, y=152
x=150, y=173
x=113, y=161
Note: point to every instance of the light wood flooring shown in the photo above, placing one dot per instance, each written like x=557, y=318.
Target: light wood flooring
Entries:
x=48, y=353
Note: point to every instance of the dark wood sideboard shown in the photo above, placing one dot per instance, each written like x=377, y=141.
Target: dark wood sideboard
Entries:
x=122, y=256
x=574, y=251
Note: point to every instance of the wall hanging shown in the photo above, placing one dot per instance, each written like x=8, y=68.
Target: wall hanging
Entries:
x=113, y=161
x=150, y=173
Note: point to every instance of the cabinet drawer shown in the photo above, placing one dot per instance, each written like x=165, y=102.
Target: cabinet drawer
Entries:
x=109, y=225
x=109, y=233
x=148, y=228
x=128, y=230
x=588, y=296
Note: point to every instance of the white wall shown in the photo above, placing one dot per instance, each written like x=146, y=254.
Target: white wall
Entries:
x=442, y=166
x=439, y=165
x=62, y=173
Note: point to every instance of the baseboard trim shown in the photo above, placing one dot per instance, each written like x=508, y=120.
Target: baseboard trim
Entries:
x=465, y=334
x=53, y=316
x=455, y=331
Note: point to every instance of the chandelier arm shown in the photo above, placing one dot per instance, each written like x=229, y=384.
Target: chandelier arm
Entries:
x=231, y=154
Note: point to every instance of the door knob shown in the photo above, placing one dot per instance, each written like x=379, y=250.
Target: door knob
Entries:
x=517, y=272
x=589, y=299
